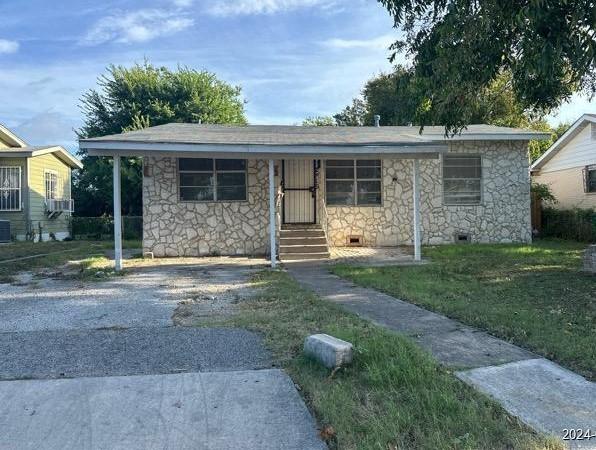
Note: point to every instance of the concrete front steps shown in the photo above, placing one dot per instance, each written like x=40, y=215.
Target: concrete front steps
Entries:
x=302, y=242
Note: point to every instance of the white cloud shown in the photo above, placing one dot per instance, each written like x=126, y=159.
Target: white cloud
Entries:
x=246, y=7
x=136, y=26
x=7, y=46
x=380, y=42
x=183, y=3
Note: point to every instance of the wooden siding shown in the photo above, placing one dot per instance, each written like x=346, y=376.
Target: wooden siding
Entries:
x=579, y=152
x=568, y=187
x=37, y=167
x=18, y=219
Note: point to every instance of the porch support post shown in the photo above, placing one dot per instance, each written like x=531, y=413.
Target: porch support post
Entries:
x=272, y=227
x=416, y=190
x=117, y=216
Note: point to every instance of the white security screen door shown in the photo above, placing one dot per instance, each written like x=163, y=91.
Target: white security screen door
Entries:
x=299, y=203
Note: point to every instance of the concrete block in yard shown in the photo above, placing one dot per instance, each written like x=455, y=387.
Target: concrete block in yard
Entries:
x=148, y=255
x=328, y=350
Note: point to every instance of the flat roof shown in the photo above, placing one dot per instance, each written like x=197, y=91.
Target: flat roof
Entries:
x=296, y=141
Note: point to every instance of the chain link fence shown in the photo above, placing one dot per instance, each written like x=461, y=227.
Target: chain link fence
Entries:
x=103, y=227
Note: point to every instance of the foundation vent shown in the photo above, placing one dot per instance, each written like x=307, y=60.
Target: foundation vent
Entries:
x=463, y=238
x=355, y=241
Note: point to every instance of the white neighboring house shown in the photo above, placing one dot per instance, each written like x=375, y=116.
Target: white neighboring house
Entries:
x=569, y=165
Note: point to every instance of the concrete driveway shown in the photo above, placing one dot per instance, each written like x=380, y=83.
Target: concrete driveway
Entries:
x=103, y=364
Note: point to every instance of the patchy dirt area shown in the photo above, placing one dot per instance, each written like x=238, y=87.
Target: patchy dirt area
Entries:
x=152, y=293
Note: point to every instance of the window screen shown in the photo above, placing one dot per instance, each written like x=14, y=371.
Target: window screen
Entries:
x=353, y=182
x=462, y=180
x=206, y=179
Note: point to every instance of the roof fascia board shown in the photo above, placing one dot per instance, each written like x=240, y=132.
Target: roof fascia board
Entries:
x=164, y=149
x=59, y=152
x=13, y=138
x=500, y=137
x=232, y=155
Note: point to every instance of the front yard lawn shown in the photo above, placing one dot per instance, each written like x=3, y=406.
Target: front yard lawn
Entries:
x=532, y=295
x=394, y=395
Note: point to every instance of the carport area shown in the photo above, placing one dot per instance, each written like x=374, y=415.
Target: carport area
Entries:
x=111, y=364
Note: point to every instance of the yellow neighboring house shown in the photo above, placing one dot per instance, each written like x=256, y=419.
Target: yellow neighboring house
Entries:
x=35, y=189
x=569, y=166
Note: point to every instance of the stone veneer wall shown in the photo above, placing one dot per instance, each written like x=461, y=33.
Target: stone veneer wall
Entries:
x=174, y=228
x=502, y=216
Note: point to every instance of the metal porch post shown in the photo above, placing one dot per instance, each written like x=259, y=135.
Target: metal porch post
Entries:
x=272, y=227
x=117, y=216
x=416, y=193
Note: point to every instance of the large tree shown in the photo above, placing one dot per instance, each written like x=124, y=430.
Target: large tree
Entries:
x=399, y=99
x=460, y=47
x=143, y=95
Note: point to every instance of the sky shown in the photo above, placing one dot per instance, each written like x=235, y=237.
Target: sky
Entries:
x=292, y=58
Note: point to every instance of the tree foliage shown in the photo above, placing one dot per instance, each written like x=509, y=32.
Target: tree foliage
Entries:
x=461, y=47
x=130, y=98
x=319, y=121
x=399, y=100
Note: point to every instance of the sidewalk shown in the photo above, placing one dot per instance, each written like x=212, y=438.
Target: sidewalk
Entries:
x=539, y=392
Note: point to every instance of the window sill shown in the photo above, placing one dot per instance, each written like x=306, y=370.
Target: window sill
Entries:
x=354, y=206
x=462, y=204
x=215, y=202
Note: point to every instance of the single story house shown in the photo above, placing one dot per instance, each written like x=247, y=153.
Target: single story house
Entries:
x=568, y=167
x=35, y=189
x=239, y=190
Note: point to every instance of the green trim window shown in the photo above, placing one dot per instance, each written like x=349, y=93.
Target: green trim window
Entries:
x=355, y=182
x=462, y=180
x=211, y=180
x=10, y=188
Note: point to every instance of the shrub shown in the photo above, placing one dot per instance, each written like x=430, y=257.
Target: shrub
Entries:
x=103, y=227
x=572, y=224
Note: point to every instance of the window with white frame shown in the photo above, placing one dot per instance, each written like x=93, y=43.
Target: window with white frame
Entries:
x=353, y=182
x=462, y=180
x=10, y=188
x=51, y=179
x=206, y=179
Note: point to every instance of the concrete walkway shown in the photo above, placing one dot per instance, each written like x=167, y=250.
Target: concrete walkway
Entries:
x=539, y=392
x=257, y=409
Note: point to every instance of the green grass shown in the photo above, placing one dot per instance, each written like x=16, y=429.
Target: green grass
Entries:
x=394, y=396
x=532, y=295
x=59, y=253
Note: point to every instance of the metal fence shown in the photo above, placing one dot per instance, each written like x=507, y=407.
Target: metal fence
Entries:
x=103, y=227
x=573, y=224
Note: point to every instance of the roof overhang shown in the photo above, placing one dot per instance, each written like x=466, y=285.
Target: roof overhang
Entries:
x=57, y=151
x=573, y=131
x=11, y=138
x=163, y=149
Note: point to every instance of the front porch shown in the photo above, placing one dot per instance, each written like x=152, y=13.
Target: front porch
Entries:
x=214, y=190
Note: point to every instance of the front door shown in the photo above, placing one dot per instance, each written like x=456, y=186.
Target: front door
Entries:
x=300, y=191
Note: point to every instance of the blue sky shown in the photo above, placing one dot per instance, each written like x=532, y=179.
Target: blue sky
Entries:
x=293, y=58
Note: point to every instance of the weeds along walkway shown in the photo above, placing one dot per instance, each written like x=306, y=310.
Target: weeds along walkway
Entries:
x=537, y=391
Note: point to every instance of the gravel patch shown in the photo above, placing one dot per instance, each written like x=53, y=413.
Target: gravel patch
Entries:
x=147, y=296
x=133, y=351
